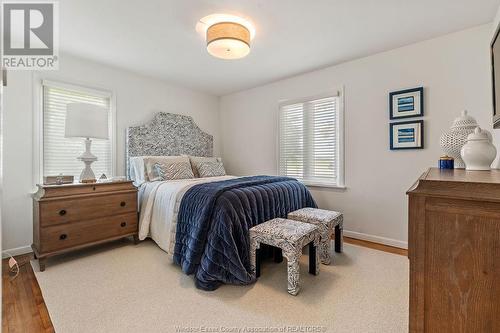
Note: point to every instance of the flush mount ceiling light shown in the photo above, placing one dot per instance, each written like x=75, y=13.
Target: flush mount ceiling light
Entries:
x=227, y=36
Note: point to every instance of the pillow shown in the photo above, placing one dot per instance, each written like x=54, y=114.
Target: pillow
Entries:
x=137, y=171
x=196, y=160
x=210, y=169
x=168, y=168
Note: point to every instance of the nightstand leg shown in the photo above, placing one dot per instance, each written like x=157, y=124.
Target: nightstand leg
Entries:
x=41, y=263
x=136, y=239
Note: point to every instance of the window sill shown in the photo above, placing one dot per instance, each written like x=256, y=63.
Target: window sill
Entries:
x=324, y=185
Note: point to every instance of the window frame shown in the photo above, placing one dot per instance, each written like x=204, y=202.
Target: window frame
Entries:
x=340, y=184
x=38, y=83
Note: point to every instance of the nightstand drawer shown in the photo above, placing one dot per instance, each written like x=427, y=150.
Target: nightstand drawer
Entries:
x=63, y=236
x=69, y=210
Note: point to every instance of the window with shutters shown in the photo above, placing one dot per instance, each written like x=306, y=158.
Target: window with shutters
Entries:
x=311, y=140
x=59, y=154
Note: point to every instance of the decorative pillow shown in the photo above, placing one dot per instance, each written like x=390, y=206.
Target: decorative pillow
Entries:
x=137, y=171
x=168, y=168
x=195, y=160
x=210, y=169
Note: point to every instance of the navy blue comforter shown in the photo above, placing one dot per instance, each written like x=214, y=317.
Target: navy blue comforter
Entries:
x=213, y=222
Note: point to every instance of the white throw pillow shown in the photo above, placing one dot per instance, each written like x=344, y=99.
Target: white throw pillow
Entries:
x=137, y=171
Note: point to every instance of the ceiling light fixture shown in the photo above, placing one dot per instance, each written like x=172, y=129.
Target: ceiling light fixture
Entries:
x=227, y=36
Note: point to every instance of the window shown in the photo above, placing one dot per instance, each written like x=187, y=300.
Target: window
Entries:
x=60, y=154
x=310, y=140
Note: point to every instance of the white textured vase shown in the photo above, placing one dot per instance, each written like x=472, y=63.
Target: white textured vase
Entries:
x=478, y=153
x=453, y=140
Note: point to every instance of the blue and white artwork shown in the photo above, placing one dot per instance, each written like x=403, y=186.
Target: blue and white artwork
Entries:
x=407, y=135
x=406, y=103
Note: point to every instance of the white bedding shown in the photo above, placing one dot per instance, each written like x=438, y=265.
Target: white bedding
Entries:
x=159, y=204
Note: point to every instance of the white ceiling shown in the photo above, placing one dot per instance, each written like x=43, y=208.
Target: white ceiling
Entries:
x=158, y=37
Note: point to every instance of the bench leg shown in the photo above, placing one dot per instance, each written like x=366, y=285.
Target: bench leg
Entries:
x=254, y=258
x=313, y=259
x=339, y=238
x=293, y=277
x=325, y=248
x=257, y=262
x=278, y=254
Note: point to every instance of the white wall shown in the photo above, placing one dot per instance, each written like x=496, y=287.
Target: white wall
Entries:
x=137, y=97
x=454, y=70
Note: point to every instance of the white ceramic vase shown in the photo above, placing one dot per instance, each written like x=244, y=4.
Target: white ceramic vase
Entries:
x=478, y=153
x=453, y=140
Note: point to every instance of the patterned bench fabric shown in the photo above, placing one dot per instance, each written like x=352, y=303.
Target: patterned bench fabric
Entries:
x=327, y=221
x=290, y=236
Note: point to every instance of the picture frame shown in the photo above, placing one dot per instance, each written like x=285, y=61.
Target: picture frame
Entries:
x=407, y=103
x=406, y=135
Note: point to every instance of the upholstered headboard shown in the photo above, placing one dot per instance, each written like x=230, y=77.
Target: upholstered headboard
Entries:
x=168, y=134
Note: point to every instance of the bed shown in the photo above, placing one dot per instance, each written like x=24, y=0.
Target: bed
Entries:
x=203, y=223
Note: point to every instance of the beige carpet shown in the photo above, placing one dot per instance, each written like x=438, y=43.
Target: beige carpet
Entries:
x=120, y=287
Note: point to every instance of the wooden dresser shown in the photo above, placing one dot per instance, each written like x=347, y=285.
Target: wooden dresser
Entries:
x=69, y=217
x=454, y=251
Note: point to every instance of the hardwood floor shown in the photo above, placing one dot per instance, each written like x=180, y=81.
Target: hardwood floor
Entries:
x=23, y=307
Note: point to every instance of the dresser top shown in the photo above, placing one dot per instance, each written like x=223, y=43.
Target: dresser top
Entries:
x=459, y=183
x=83, y=184
x=462, y=175
x=75, y=189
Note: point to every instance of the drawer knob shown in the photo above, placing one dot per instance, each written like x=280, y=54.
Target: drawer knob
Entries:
x=62, y=212
x=123, y=203
x=93, y=188
x=63, y=237
x=123, y=224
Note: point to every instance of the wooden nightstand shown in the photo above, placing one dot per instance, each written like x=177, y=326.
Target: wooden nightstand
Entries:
x=73, y=216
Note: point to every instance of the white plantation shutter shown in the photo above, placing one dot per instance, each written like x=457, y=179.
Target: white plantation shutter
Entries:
x=292, y=141
x=309, y=141
x=60, y=153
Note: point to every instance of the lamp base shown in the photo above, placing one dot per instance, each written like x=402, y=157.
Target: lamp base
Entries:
x=87, y=175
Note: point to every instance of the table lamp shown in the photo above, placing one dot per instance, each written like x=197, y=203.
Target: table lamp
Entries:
x=86, y=121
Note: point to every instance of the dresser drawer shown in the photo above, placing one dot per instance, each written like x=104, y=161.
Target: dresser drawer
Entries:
x=63, y=236
x=69, y=210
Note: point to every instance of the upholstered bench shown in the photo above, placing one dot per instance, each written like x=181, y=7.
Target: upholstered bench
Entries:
x=328, y=221
x=290, y=236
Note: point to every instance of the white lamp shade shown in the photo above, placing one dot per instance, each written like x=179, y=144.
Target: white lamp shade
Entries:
x=86, y=121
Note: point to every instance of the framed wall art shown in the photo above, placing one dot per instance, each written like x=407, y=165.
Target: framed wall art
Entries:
x=406, y=103
x=407, y=135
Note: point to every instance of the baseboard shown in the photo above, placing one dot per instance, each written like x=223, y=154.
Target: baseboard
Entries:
x=16, y=251
x=376, y=239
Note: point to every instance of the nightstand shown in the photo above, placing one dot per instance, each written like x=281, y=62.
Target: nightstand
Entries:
x=74, y=216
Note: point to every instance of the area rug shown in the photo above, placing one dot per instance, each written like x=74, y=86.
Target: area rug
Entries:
x=121, y=287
